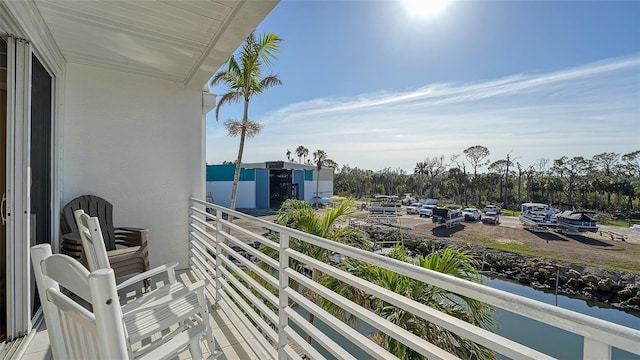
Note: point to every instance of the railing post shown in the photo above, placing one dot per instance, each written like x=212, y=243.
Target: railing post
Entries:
x=596, y=350
x=219, y=240
x=283, y=299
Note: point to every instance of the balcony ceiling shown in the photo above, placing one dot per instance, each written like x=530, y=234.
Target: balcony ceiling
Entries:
x=185, y=41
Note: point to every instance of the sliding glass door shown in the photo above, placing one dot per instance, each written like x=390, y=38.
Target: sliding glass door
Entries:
x=3, y=188
x=26, y=118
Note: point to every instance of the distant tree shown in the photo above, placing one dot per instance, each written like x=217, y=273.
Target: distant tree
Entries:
x=476, y=156
x=301, y=152
x=570, y=170
x=433, y=168
x=243, y=79
x=605, y=163
x=288, y=155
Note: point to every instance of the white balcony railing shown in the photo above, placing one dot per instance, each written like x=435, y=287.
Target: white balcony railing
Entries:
x=245, y=288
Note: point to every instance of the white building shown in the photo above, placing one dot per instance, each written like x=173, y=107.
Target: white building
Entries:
x=267, y=185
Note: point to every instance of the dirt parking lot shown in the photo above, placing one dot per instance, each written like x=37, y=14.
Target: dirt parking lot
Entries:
x=590, y=249
x=597, y=249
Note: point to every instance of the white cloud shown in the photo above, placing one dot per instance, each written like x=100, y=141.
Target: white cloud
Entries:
x=580, y=111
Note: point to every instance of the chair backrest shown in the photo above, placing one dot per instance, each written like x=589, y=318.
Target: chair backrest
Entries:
x=92, y=241
x=94, y=206
x=74, y=331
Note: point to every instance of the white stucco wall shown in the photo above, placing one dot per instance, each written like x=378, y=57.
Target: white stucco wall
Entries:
x=138, y=143
x=325, y=188
x=221, y=192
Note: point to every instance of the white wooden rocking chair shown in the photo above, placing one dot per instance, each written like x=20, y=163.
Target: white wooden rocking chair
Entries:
x=100, y=333
x=158, y=309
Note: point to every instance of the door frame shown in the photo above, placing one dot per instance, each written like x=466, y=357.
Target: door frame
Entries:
x=18, y=20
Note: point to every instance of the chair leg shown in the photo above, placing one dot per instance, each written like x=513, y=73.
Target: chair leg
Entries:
x=195, y=350
x=206, y=319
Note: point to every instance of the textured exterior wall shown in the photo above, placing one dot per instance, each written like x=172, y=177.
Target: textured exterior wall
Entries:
x=137, y=142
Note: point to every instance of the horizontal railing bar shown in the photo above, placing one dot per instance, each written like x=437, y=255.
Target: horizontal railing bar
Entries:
x=262, y=338
x=251, y=250
x=255, y=268
x=474, y=333
x=418, y=344
x=243, y=231
x=292, y=354
x=305, y=346
x=203, y=261
x=202, y=242
x=322, y=339
x=273, y=299
x=248, y=310
x=209, y=236
x=259, y=303
x=204, y=213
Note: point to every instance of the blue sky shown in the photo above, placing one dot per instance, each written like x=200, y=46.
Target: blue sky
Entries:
x=375, y=86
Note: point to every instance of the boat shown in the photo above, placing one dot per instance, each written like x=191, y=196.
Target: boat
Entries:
x=538, y=217
x=576, y=222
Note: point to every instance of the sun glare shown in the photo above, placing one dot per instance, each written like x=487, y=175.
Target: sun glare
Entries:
x=425, y=8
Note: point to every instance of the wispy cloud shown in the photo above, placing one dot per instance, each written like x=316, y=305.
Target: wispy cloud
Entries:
x=578, y=111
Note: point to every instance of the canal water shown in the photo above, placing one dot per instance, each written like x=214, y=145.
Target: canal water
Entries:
x=547, y=339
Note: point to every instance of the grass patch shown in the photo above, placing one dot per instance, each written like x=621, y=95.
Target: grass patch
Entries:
x=625, y=223
x=526, y=249
x=510, y=212
x=514, y=247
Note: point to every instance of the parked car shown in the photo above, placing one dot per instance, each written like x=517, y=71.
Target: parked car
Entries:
x=471, y=214
x=491, y=217
x=426, y=210
x=413, y=208
x=492, y=208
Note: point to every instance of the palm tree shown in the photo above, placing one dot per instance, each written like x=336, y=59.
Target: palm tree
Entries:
x=319, y=157
x=300, y=215
x=301, y=152
x=244, y=79
x=449, y=261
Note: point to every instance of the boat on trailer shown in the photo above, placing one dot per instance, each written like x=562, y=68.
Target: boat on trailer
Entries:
x=538, y=217
x=576, y=222
x=447, y=217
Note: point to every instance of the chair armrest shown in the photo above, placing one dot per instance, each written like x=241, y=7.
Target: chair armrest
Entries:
x=161, y=297
x=72, y=237
x=168, y=268
x=130, y=236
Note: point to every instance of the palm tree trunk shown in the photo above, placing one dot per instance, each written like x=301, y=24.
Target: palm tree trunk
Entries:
x=236, y=174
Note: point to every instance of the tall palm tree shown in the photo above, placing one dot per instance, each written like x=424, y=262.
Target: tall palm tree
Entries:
x=319, y=157
x=449, y=261
x=301, y=152
x=244, y=79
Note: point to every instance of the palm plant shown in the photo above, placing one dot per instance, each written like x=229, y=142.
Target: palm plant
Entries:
x=300, y=215
x=301, y=152
x=449, y=261
x=244, y=79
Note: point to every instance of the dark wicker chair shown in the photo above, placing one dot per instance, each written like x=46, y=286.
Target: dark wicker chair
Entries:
x=126, y=246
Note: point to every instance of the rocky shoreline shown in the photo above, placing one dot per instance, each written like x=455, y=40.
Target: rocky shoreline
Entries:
x=620, y=290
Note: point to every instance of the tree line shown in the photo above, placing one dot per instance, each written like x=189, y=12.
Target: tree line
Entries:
x=606, y=182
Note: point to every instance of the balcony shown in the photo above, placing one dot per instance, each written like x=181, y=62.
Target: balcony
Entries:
x=261, y=316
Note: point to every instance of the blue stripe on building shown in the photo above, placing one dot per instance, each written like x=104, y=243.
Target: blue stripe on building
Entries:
x=308, y=175
x=225, y=173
